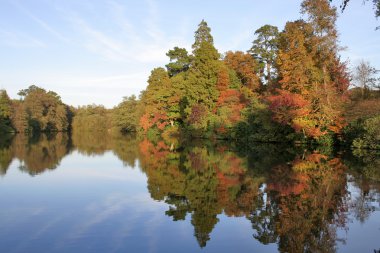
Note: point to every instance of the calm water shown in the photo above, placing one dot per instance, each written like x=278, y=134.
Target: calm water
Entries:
x=95, y=193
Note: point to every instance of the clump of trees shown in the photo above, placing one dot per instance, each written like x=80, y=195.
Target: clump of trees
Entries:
x=38, y=110
x=124, y=116
x=290, y=84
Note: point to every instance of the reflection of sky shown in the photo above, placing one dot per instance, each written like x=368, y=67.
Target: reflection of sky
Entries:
x=360, y=236
x=95, y=204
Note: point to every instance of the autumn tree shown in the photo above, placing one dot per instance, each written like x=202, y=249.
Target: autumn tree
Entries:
x=322, y=18
x=331, y=90
x=154, y=100
x=245, y=67
x=19, y=117
x=40, y=111
x=313, y=81
x=5, y=112
x=296, y=71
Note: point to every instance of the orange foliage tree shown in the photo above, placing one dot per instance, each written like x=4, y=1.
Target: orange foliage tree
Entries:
x=313, y=81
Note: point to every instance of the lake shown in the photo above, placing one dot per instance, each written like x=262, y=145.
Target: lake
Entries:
x=100, y=193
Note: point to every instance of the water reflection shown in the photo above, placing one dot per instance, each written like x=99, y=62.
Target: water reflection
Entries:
x=297, y=203
x=294, y=197
x=35, y=154
x=123, y=146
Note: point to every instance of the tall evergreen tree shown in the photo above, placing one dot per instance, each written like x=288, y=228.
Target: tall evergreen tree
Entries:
x=180, y=61
x=264, y=50
x=201, y=91
x=202, y=34
x=203, y=72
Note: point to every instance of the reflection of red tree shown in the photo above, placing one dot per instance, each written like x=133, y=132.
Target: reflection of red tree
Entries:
x=154, y=155
x=230, y=174
x=309, y=195
x=285, y=182
x=236, y=190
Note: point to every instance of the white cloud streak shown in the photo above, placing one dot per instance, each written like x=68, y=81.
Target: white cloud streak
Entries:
x=123, y=42
x=19, y=39
x=40, y=22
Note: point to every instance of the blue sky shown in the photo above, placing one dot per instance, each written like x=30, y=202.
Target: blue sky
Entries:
x=92, y=51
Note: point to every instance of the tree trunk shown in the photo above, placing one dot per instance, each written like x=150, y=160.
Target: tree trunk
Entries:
x=325, y=86
x=268, y=75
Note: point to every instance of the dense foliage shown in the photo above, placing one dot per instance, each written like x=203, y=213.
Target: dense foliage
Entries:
x=289, y=86
x=37, y=111
x=5, y=112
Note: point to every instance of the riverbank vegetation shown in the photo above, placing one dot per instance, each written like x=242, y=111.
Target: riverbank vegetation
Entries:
x=290, y=86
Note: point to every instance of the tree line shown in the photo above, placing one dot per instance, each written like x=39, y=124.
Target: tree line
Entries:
x=291, y=85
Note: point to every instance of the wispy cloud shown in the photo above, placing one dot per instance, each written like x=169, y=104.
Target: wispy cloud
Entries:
x=152, y=21
x=19, y=39
x=120, y=20
x=98, y=42
x=123, y=42
x=114, y=205
x=40, y=22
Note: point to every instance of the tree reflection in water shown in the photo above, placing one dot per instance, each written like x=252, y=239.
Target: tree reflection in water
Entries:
x=37, y=154
x=294, y=197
